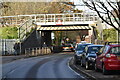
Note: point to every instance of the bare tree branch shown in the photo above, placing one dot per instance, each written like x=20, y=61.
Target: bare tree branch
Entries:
x=92, y=8
x=110, y=12
x=102, y=17
x=102, y=7
x=113, y=8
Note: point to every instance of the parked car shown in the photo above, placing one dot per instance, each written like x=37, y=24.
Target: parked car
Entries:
x=108, y=58
x=89, y=55
x=67, y=47
x=78, y=52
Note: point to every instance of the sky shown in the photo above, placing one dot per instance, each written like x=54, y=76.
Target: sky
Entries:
x=80, y=5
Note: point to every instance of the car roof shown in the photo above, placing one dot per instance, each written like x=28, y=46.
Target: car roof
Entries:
x=85, y=44
x=114, y=45
x=95, y=45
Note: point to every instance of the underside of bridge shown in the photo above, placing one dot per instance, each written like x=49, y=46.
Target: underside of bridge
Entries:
x=45, y=31
x=63, y=27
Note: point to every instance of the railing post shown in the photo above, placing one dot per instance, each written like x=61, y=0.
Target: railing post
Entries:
x=16, y=19
x=35, y=18
x=25, y=51
x=32, y=52
x=18, y=33
x=64, y=18
x=46, y=50
x=28, y=51
x=51, y=18
x=45, y=18
x=54, y=18
x=26, y=30
x=93, y=17
x=83, y=16
x=39, y=50
x=36, y=52
x=42, y=50
x=73, y=18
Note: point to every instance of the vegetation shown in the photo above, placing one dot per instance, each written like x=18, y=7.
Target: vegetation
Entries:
x=22, y=8
x=109, y=35
x=9, y=32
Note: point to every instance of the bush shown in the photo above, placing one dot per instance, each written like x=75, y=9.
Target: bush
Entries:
x=109, y=35
x=9, y=32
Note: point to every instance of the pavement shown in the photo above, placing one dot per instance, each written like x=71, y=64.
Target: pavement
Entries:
x=6, y=59
x=92, y=74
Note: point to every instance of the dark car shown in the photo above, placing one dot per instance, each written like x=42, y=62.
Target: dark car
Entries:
x=89, y=55
x=78, y=52
x=108, y=58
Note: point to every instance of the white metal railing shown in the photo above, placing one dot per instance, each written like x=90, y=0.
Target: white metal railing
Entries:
x=53, y=18
x=72, y=17
x=25, y=29
x=36, y=51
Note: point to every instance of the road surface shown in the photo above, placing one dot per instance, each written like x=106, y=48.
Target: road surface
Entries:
x=49, y=66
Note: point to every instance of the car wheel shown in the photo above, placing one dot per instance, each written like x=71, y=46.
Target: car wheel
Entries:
x=72, y=50
x=81, y=63
x=105, y=72
x=87, y=65
x=75, y=61
x=96, y=69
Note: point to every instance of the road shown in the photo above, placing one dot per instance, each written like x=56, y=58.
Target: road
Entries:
x=49, y=66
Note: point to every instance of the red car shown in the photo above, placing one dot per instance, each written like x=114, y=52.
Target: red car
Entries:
x=108, y=58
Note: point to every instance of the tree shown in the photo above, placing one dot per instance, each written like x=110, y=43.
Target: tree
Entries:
x=9, y=33
x=109, y=34
x=107, y=10
x=26, y=8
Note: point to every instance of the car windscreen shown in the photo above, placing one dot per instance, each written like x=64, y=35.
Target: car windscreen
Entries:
x=115, y=50
x=94, y=49
x=81, y=47
x=66, y=45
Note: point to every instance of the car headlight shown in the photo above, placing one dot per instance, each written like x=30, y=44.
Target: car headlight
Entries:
x=90, y=58
x=79, y=54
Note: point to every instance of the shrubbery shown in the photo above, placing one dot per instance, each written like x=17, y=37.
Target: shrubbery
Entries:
x=110, y=34
x=9, y=32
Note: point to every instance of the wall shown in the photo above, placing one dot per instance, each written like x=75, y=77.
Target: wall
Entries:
x=33, y=40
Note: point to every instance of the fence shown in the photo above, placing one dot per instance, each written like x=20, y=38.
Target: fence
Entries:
x=6, y=46
x=37, y=51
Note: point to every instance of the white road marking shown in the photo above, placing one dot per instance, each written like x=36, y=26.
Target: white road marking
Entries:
x=12, y=71
x=85, y=72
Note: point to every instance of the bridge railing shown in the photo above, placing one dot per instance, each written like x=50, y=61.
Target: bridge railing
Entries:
x=14, y=20
x=46, y=18
x=72, y=17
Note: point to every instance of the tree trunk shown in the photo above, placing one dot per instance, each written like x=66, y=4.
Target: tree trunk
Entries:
x=118, y=36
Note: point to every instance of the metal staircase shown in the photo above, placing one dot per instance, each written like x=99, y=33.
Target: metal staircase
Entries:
x=25, y=29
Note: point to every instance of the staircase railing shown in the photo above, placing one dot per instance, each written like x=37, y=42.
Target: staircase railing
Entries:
x=25, y=29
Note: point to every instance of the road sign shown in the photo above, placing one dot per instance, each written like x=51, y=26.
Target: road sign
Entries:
x=59, y=22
